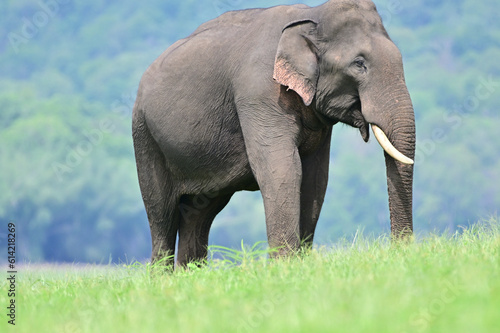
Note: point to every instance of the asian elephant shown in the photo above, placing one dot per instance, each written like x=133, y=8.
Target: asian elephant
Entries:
x=248, y=102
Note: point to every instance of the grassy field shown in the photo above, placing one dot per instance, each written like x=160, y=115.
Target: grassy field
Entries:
x=436, y=284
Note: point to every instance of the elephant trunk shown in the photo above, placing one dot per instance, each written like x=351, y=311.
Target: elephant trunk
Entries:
x=401, y=133
x=395, y=123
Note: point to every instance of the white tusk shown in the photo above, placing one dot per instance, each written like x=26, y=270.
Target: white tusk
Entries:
x=388, y=147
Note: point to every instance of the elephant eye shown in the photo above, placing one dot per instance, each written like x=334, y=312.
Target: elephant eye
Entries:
x=360, y=64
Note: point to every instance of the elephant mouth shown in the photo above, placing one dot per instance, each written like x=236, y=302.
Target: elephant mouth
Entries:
x=356, y=119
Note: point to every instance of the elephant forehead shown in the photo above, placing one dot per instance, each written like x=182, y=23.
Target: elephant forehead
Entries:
x=347, y=14
x=363, y=4
x=388, y=53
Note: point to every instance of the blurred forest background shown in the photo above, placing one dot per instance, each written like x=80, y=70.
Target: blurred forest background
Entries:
x=69, y=74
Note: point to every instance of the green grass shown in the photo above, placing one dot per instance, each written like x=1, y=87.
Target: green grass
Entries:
x=436, y=284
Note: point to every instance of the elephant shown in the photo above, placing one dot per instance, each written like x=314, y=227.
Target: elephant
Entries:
x=248, y=101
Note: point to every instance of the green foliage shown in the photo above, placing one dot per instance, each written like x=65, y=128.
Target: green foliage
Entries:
x=69, y=76
x=240, y=257
x=437, y=284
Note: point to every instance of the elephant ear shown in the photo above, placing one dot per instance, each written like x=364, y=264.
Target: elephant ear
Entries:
x=296, y=62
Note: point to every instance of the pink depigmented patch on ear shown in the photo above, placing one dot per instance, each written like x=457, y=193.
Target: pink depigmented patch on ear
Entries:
x=286, y=75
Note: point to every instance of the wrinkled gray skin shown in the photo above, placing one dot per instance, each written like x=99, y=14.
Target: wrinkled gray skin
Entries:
x=248, y=101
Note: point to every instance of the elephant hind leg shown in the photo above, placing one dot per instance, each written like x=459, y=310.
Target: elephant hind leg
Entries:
x=160, y=200
x=197, y=215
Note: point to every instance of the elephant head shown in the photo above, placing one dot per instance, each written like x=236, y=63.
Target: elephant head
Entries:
x=340, y=60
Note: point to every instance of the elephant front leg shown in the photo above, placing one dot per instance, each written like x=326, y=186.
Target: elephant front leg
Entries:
x=279, y=177
x=270, y=137
x=281, y=193
x=313, y=189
